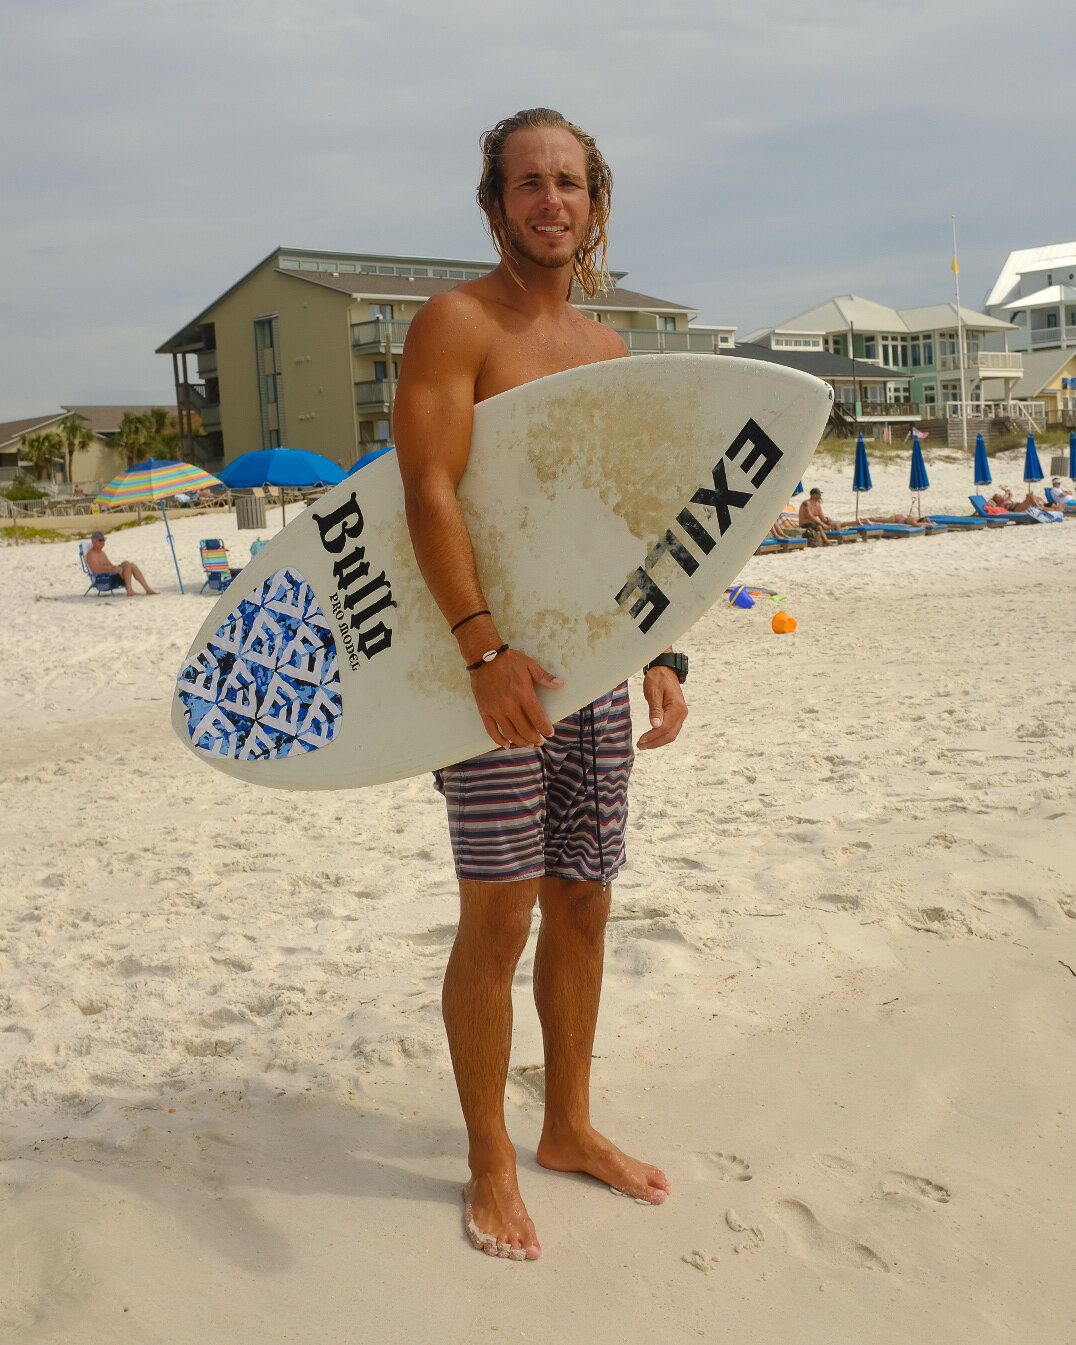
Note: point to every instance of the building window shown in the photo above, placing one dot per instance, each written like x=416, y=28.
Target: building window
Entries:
x=274, y=438
x=381, y=370
x=870, y=348
x=263, y=333
x=928, y=351
x=666, y=324
x=915, y=354
x=380, y=311
x=383, y=431
x=270, y=389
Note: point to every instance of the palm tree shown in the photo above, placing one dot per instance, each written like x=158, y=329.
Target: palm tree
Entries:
x=133, y=438
x=41, y=450
x=76, y=436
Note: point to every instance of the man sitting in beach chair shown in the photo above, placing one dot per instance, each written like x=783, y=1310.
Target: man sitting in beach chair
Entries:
x=814, y=522
x=1059, y=497
x=98, y=565
x=218, y=573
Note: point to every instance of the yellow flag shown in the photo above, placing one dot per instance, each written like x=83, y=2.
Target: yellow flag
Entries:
x=956, y=269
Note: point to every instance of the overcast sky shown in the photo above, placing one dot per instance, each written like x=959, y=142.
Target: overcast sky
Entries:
x=767, y=154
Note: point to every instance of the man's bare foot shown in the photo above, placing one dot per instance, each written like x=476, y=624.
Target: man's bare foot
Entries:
x=587, y=1151
x=496, y=1219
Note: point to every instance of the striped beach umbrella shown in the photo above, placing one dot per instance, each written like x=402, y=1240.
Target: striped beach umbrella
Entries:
x=861, y=478
x=155, y=481
x=982, y=464
x=1032, y=466
x=918, y=481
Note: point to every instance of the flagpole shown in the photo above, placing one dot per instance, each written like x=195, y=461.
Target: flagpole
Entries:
x=960, y=343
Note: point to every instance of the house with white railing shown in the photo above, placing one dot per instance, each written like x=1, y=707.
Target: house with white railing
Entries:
x=937, y=360
x=303, y=351
x=1036, y=291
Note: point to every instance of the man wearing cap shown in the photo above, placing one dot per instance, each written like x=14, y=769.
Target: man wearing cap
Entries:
x=1058, y=496
x=98, y=563
x=813, y=519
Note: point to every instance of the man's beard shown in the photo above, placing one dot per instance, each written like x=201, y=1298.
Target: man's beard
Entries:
x=521, y=244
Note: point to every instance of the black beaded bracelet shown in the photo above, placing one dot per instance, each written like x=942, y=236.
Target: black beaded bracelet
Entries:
x=487, y=657
x=484, y=612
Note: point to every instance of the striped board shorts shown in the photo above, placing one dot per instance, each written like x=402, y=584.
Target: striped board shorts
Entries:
x=560, y=810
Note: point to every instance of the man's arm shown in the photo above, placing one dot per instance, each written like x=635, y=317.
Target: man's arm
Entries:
x=434, y=412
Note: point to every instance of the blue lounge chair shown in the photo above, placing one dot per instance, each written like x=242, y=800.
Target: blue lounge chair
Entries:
x=978, y=503
x=103, y=585
x=958, y=521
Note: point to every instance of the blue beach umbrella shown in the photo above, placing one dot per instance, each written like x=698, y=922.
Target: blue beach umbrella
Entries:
x=281, y=467
x=798, y=490
x=1072, y=454
x=982, y=465
x=367, y=458
x=1032, y=467
x=861, y=478
x=918, y=481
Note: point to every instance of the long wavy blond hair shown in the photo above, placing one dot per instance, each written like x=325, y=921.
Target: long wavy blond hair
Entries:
x=589, y=266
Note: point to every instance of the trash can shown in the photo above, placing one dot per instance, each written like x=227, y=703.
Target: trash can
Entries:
x=1059, y=464
x=250, y=510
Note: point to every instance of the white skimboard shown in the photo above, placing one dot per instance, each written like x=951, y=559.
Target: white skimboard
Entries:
x=609, y=507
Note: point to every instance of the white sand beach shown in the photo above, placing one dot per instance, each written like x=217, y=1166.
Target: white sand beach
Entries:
x=839, y=1009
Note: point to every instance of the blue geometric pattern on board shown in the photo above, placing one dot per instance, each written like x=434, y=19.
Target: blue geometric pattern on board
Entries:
x=267, y=684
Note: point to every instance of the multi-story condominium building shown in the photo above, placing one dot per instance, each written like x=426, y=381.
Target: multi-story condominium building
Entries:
x=920, y=346
x=303, y=351
x=1036, y=291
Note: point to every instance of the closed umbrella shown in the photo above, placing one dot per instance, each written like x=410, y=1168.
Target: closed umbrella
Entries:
x=982, y=465
x=1072, y=454
x=918, y=481
x=861, y=478
x=1032, y=467
x=156, y=479
x=281, y=467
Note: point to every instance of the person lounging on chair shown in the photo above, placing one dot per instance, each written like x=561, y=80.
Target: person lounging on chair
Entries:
x=105, y=584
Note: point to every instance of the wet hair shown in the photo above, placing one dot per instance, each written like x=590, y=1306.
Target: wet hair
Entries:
x=589, y=266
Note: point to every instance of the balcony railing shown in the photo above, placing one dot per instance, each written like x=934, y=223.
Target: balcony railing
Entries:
x=372, y=395
x=1052, y=337
x=192, y=396
x=909, y=410
x=1029, y=413
x=641, y=342
x=985, y=361
x=372, y=335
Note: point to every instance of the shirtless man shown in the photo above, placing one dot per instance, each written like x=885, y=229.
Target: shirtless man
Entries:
x=545, y=190
x=98, y=563
x=813, y=519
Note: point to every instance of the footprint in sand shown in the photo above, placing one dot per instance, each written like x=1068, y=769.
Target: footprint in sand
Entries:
x=907, y=1184
x=726, y=1167
x=823, y=1245
x=753, y=1235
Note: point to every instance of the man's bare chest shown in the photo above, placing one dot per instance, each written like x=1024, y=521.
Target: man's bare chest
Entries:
x=517, y=359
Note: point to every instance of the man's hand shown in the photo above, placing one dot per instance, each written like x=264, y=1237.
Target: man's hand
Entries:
x=504, y=693
x=668, y=709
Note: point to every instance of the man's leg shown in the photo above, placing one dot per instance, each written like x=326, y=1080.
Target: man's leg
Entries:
x=130, y=571
x=495, y=919
x=567, y=988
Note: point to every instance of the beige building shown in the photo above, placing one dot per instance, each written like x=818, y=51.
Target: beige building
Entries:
x=92, y=466
x=303, y=351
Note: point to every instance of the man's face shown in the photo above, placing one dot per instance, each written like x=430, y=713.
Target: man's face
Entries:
x=98, y=544
x=546, y=207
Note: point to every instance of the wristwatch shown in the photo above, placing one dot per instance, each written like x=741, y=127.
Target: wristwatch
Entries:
x=677, y=662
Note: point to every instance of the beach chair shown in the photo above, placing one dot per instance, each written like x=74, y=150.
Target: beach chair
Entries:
x=218, y=573
x=103, y=585
x=978, y=503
